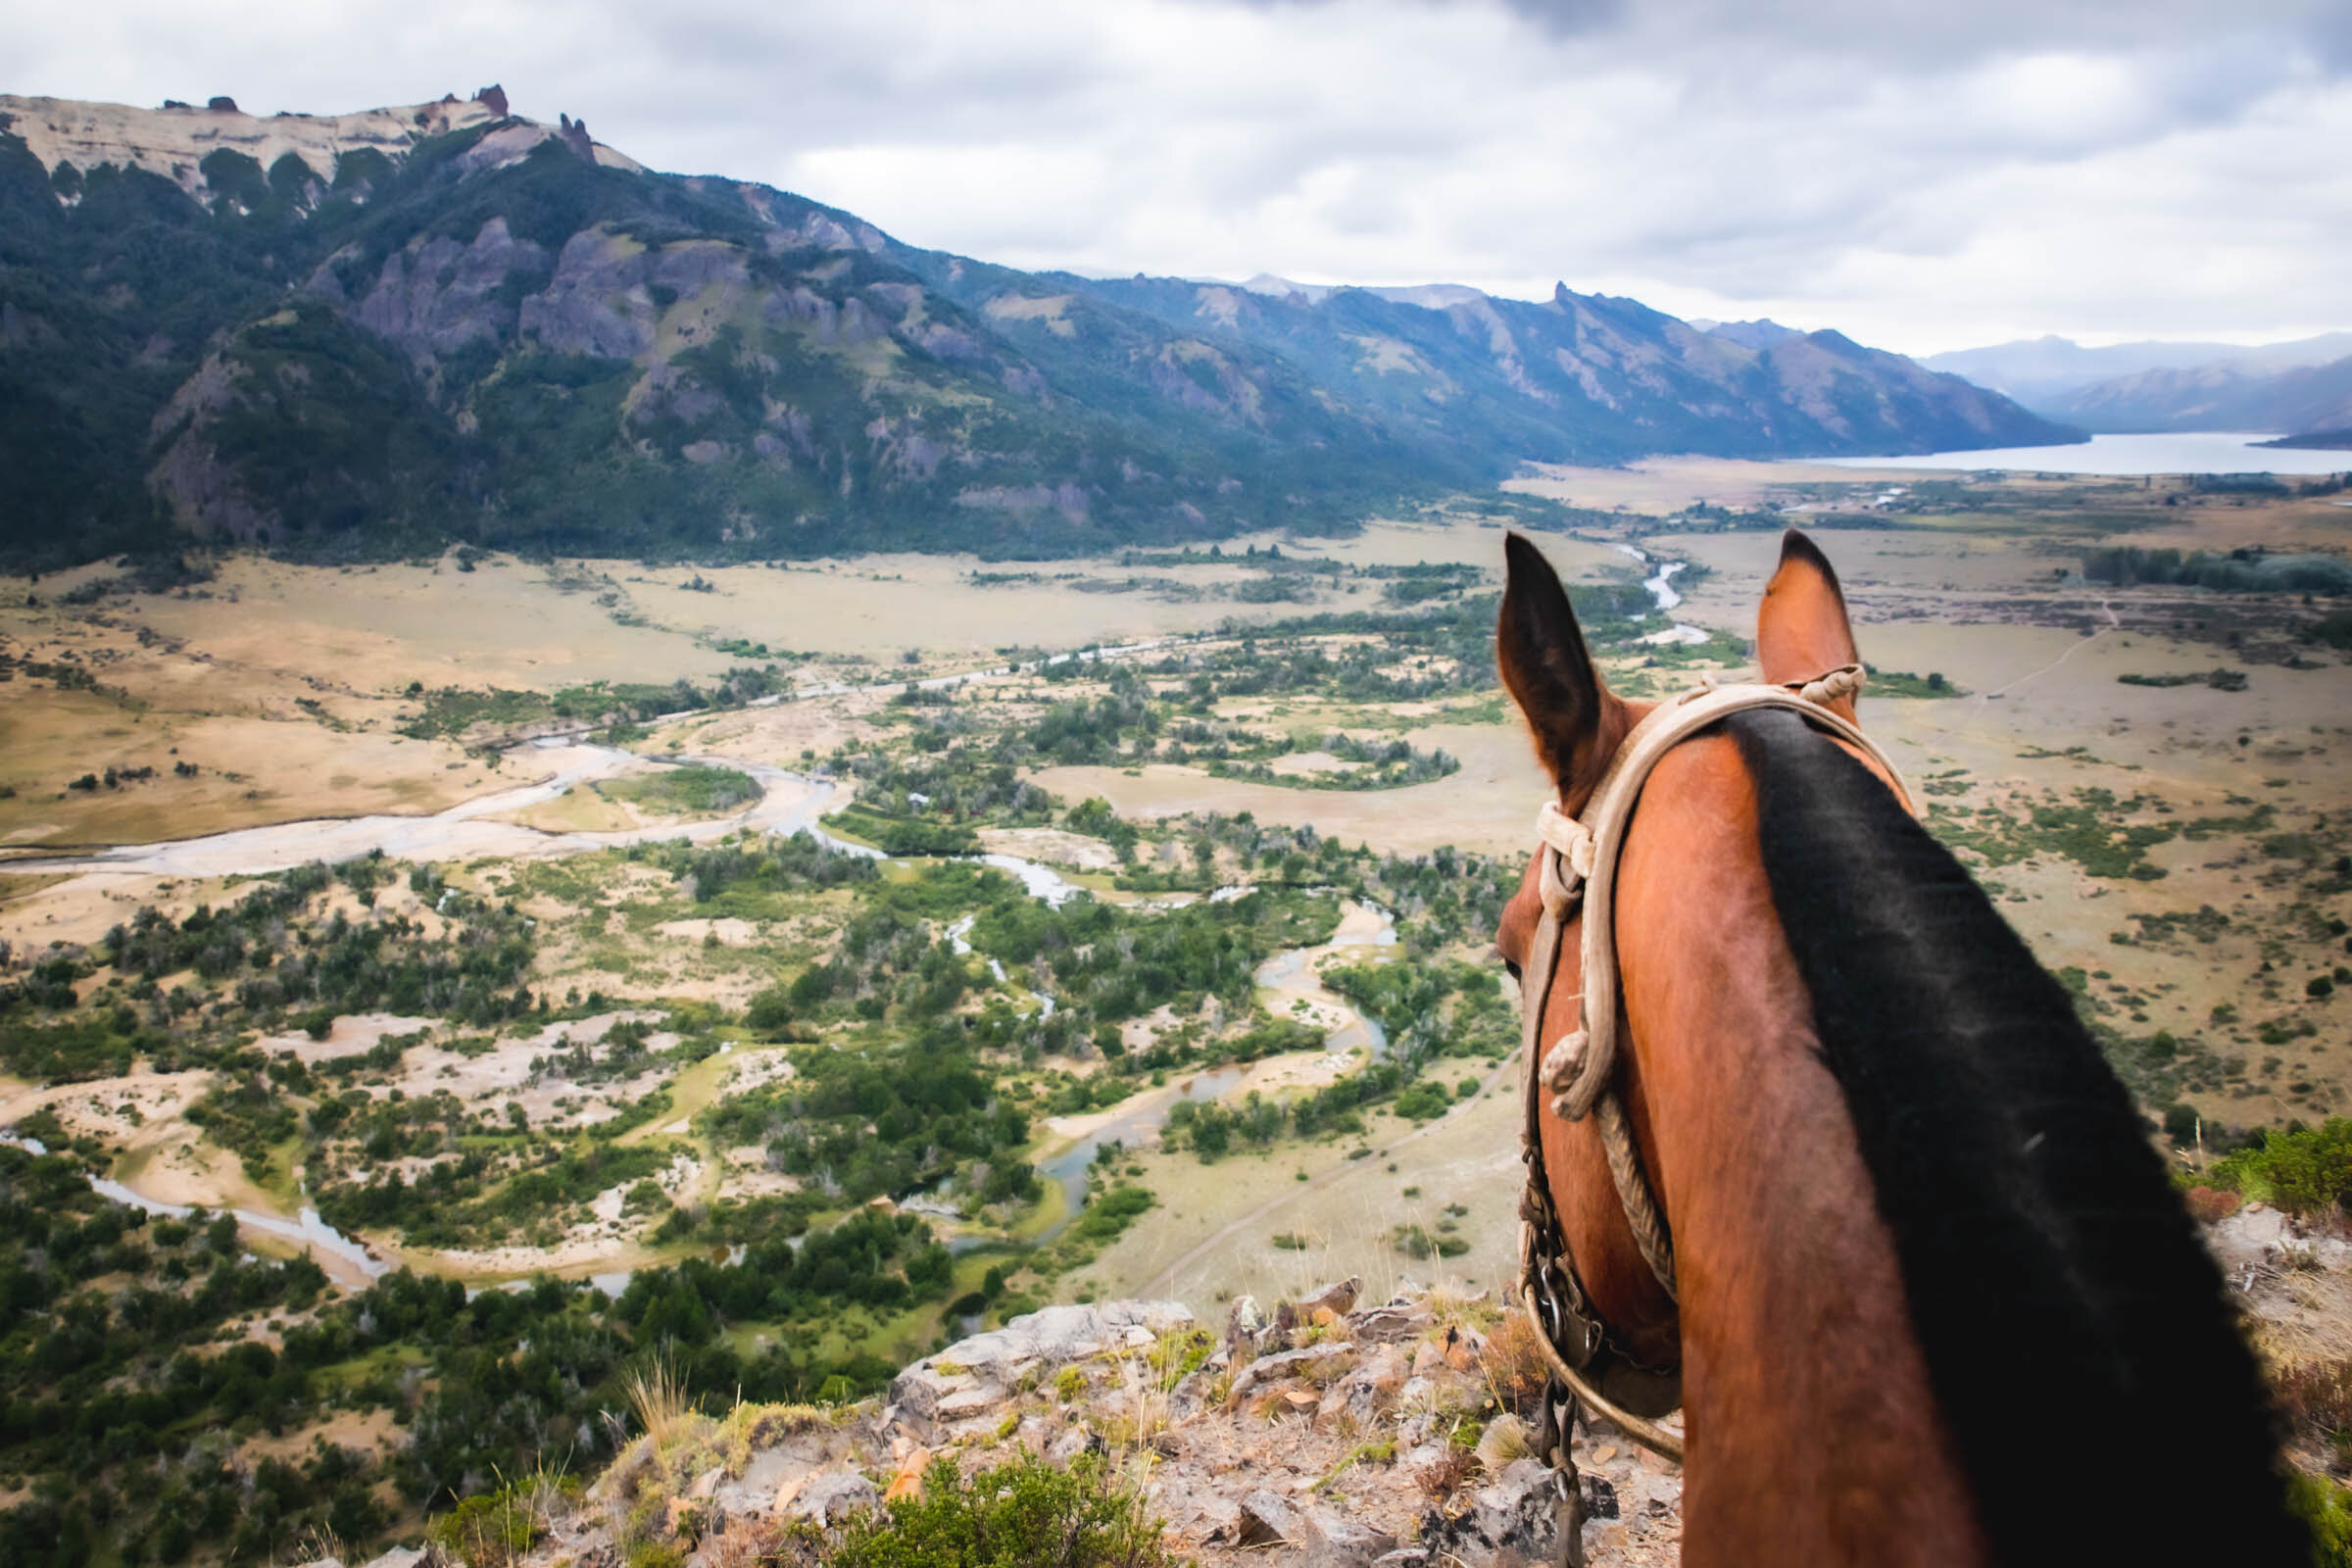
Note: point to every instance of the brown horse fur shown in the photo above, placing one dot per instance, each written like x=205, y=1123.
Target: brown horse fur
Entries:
x=1817, y=1430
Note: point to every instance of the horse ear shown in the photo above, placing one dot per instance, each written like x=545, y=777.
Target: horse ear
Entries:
x=1802, y=627
x=1548, y=671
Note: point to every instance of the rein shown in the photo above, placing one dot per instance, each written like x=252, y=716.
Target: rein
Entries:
x=1577, y=1076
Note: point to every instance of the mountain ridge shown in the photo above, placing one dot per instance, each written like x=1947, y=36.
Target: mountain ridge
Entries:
x=447, y=321
x=2046, y=373
x=2225, y=396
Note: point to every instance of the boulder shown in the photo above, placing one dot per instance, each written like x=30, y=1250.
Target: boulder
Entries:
x=1035, y=1340
x=834, y=1496
x=1464, y=1348
x=1244, y=1324
x=1326, y=1360
x=1390, y=1323
x=1365, y=1390
x=963, y=1404
x=400, y=1557
x=1267, y=1519
x=1512, y=1522
x=1077, y=1440
x=1333, y=1540
x=1335, y=1298
x=916, y=1394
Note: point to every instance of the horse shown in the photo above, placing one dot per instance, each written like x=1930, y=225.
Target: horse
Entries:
x=1934, y=1299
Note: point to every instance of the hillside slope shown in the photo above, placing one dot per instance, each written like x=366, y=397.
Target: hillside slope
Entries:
x=2230, y=396
x=361, y=334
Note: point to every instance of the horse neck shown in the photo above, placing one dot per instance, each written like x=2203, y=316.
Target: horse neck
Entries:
x=1813, y=1433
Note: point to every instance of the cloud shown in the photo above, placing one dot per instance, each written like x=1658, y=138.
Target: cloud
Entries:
x=1920, y=175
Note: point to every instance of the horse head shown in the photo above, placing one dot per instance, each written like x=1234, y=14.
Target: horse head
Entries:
x=1899, y=1180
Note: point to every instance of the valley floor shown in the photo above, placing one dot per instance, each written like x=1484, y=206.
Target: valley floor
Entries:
x=613, y=1033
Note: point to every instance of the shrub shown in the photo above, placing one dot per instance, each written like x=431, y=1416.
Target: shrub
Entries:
x=490, y=1531
x=2328, y=1509
x=1026, y=1514
x=2302, y=1170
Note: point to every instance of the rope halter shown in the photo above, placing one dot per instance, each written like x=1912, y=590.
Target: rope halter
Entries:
x=1576, y=1073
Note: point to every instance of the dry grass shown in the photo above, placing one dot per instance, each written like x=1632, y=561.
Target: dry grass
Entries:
x=1514, y=1364
x=656, y=1398
x=2317, y=1395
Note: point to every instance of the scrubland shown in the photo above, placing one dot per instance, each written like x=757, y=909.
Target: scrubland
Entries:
x=633, y=1033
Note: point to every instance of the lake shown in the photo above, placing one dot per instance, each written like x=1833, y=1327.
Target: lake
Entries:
x=2183, y=451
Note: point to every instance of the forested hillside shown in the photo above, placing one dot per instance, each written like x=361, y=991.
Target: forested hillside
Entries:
x=485, y=329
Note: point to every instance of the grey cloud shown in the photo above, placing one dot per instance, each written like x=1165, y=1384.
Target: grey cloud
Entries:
x=1995, y=165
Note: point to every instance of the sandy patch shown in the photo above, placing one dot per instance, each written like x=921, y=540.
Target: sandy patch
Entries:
x=348, y=1036
x=1052, y=845
x=1276, y=1076
x=114, y=1110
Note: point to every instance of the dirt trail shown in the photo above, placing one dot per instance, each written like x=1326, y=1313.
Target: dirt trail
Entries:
x=2113, y=623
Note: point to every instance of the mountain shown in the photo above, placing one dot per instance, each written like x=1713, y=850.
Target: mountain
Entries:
x=2043, y=372
x=368, y=333
x=2229, y=396
x=1760, y=333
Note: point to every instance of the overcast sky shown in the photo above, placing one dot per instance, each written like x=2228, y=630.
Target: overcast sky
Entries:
x=1920, y=173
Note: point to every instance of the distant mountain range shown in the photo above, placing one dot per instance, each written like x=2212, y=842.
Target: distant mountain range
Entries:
x=368, y=333
x=2298, y=386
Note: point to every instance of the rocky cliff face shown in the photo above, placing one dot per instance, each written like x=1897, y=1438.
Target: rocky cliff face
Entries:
x=1326, y=1432
x=177, y=140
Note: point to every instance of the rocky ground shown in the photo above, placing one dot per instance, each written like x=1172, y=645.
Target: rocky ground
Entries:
x=1324, y=1432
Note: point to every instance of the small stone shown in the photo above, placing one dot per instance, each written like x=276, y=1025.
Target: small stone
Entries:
x=1071, y=1444
x=1267, y=1519
x=702, y=1488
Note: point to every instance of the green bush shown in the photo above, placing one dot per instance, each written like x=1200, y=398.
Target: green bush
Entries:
x=2303, y=1170
x=2328, y=1509
x=1026, y=1514
x=489, y=1530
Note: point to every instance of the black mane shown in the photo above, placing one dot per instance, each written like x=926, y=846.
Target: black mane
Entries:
x=2076, y=1333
